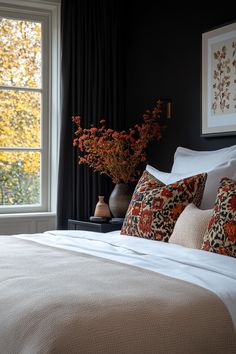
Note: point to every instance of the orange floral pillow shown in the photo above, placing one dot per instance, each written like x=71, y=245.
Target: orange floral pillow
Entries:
x=155, y=207
x=220, y=236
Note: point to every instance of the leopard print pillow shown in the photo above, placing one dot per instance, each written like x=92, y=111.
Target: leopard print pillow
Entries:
x=155, y=207
x=220, y=236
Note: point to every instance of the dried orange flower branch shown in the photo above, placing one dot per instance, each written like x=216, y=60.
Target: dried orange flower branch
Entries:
x=117, y=154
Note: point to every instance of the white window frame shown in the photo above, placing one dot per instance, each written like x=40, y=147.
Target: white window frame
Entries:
x=48, y=13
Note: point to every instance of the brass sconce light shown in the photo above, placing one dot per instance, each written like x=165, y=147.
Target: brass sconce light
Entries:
x=169, y=110
x=166, y=106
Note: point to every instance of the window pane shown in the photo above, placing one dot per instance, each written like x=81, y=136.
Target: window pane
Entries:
x=20, y=53
x=19, y=177
x=19, y=118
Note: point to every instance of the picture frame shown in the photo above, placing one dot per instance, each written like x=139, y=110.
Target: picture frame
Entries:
x=219, y=81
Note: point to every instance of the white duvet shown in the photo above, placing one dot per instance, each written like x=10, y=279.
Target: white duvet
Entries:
x=208, y=270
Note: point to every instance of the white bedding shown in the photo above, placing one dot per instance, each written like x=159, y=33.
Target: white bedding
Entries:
x=208, y=270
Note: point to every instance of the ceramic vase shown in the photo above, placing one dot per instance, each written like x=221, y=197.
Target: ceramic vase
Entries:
x=119, y=200
x=102, y=209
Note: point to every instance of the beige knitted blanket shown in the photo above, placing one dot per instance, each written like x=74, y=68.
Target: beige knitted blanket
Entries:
x=57, y=301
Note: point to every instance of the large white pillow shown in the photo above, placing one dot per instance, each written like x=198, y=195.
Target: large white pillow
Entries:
x=165, y=177
x=213, y=179
x=186, y=160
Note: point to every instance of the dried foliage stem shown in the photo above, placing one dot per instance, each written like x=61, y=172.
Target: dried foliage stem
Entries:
x=117, y=154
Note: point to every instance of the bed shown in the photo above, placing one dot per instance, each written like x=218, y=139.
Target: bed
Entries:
x=85, y=292
x=71, y=292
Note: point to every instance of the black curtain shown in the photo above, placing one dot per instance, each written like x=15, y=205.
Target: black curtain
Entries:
x=92, y=72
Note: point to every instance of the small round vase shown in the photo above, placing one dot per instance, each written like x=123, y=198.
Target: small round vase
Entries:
x=102, y=208
x=119, y=200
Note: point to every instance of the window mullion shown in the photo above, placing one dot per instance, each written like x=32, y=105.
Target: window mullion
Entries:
x=9, y=148
x=19, y=88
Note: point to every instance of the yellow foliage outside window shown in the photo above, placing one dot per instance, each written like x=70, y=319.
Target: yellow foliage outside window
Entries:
x=20, y=110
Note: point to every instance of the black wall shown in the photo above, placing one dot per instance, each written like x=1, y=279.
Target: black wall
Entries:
x=163, y=58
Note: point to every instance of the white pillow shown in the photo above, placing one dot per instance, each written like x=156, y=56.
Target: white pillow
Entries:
x=186, y=160
x=213, y=179
x=165, y=177
x=191, y=226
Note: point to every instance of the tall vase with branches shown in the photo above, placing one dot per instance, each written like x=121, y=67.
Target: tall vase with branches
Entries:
x=118, y=154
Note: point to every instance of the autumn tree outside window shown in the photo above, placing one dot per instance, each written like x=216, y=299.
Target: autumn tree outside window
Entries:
x=25, y=115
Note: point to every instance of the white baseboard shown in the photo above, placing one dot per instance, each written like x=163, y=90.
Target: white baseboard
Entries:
x=12, y=224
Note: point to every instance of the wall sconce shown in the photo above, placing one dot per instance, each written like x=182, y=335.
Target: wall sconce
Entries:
x=166, y=107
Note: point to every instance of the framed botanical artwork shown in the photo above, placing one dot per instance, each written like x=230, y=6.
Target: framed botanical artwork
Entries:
x=219, y=81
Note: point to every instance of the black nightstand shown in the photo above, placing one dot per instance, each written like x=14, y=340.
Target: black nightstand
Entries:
x=92, y=226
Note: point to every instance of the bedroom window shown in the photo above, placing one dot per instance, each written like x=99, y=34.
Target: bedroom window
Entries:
x=26, y=113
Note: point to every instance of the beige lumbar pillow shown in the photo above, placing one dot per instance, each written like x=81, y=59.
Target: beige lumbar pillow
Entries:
x=191, y=227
